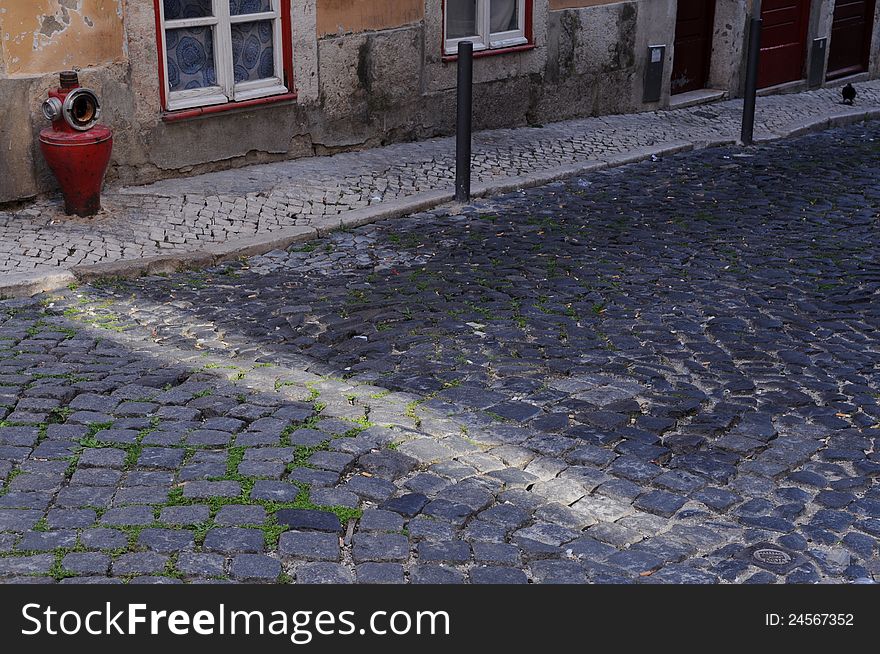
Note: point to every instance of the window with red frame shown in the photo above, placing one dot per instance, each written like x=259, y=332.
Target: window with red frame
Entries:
x=488, y=24
x=215, y=52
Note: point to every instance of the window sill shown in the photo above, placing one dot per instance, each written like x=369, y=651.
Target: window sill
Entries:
x=186, y=114
x=525, y=47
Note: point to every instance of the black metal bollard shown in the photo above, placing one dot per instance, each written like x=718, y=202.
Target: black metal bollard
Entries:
x=751, y=91
x=463, y=125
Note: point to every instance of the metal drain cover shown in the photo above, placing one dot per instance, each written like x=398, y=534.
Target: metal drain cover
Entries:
x=771, y=556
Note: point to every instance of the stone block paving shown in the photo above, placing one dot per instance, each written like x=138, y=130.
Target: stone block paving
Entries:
x=656, y=375
x=186, y=215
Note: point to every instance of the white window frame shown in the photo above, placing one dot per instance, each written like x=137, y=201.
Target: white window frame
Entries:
x=226, y=90
x=486, y=39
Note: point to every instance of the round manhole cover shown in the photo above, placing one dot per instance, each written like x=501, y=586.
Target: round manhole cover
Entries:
x=771, y=556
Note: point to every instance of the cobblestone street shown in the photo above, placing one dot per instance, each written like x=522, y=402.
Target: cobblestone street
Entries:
x=193, y=214
x=649, y=374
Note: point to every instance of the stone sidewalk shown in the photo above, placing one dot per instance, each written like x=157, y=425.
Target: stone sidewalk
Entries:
x=190, y=222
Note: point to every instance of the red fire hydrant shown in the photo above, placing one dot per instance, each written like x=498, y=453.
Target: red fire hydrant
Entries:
x=76, y=147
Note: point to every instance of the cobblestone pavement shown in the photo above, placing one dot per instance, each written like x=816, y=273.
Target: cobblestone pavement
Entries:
x=184, y=215
x=641, y=377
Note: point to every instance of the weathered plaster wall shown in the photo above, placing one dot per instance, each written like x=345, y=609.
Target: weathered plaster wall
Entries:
x=591, y=61
x=38, y=38
x=42, y=36
x=874, y=64
x=367, y=72
x=821, y=15
x=341, y=16
x=727, y=65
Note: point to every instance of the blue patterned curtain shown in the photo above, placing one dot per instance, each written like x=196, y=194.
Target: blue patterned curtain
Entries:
x=253, y=51
x=190, y=58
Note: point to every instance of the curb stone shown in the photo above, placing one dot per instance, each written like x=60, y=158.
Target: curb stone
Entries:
x=20, y=285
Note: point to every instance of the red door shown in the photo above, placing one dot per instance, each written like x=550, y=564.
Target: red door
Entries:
x=850, y=37
x=783, y=41
x=694, y=24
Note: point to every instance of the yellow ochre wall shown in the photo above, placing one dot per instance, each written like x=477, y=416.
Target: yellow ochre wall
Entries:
x=43, y=36
x=342, y=16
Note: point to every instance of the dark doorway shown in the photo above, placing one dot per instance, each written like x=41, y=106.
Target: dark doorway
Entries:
x=850, y=37
x=694, y=25
x=783, y=41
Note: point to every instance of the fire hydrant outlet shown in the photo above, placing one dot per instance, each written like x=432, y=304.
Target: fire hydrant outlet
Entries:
x=52, y=109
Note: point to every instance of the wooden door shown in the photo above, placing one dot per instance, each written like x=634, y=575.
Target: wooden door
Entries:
x=694, y=24
x=850, y=37
x=783, y=41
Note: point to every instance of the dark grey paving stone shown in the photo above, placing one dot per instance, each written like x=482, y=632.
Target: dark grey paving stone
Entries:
x=26, y=565
x=141, y=495
x=45, y=541
x=166, y=540
x=557, y=572
x=371, y=488
x=184, y=515
x=333, y=461
x=379, y=573
x=234, y=540
x=129, y=516
x=435, y=574
x=201, y=564
x=161, y=457
x=255, y=567
x=86, y=563
x=101, y=538
x=423, y=527
x=380, y=548
x=276, y=491
x=18, y=520
x=309, y=545
x=445, y=552
x=387, y=464
x=209, y=489
x=660, y=503
x=266, y=469
x=323, y=573
x=309, y=520
x=635, y=562
x=239, y=514
x=333, y=497
x=379, y=520
x=495, y=553
x=408, y=505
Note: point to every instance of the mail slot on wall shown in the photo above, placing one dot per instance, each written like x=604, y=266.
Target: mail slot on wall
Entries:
x=654, y=73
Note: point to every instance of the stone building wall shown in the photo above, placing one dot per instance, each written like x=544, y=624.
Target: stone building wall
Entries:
x=366, y=72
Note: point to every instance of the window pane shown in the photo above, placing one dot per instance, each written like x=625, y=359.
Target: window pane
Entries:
x=190, y=58
x=504, y=16
x=175, y=9
x=253, y=52
x=239, y=7
x=461, y=18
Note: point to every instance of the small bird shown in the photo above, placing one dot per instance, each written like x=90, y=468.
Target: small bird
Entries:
x=849, y=94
